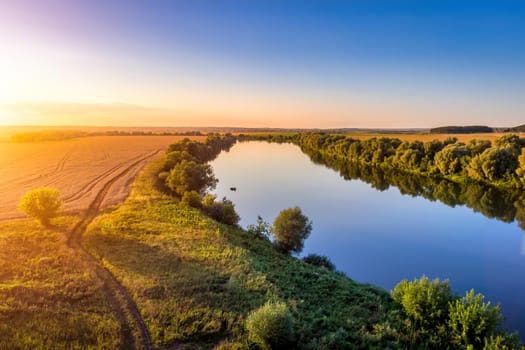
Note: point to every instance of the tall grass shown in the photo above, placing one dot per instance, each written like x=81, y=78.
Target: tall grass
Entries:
x=49, y=298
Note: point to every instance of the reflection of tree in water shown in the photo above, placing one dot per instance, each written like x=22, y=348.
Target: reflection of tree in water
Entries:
x=505, y=206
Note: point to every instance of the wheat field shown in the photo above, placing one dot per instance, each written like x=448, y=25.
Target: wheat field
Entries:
x=78, y=168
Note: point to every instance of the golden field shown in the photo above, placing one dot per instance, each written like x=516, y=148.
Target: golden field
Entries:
x=78, y=168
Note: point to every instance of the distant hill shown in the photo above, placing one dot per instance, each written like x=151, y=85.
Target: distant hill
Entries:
x=472, y=129
x=520, y=128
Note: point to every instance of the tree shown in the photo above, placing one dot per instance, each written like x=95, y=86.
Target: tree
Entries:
x=450, y=160
x=510, y=142
x=290, y=229
x=478, y=146
x=189, y=176
x=42, y=203
x=493, y=164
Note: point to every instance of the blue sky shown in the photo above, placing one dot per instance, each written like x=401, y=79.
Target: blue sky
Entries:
x=266, y=63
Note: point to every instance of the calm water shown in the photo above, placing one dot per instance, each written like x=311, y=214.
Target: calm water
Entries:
x=379, y=237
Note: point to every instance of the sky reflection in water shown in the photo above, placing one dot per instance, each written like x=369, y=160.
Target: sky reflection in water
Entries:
x=378, y=237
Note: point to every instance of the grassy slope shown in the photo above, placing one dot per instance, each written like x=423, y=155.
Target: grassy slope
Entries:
x=195, y=280
x=48, y=297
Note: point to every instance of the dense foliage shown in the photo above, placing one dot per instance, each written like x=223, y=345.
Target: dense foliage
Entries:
x=290, y=230
x=439, y=319
x=497, y=164
x=190, y=176
x=186, y=174
x=42, y=204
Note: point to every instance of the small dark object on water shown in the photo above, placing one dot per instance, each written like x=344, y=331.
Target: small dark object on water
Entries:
x=233, y=188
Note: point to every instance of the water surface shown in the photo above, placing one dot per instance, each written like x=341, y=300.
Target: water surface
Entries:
x=379, y=237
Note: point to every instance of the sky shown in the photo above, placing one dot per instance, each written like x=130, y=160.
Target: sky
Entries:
x=323, y=64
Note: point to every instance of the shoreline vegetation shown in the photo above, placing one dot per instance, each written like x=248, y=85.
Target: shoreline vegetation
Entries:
x=201, y=282
x=499, y=164
x=488, y=177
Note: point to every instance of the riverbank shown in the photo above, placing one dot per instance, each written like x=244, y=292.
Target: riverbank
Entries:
x=195, y=280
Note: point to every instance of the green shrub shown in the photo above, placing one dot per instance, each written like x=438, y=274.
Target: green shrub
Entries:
x=319, y=260
x=471, y=320
x=503, y=342
x=271, y=326
x=261, y=229
x=425, y=301
x=42, y=203
x=192, y=198
x=222, y=211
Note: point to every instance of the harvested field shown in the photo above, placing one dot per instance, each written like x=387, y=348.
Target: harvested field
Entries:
x=78, y=168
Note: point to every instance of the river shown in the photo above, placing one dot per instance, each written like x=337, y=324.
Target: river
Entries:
x=381, y=236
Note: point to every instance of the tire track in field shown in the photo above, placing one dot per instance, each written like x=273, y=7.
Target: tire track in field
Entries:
x=134, y=333
x=63, y=161
x=87, y=187
x=37, y=178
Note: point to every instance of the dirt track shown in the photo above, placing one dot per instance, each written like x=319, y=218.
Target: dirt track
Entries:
x=78, y=168
x=133, y=332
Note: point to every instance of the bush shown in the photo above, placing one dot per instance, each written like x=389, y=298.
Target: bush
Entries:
x=192, y=198
x=189, y=176
x=271, y=326
x=261, y=229
x=319, y=260
x=424, y=301
x=42, y=204
x=221, y=211
x=471, y=320
x=290, y=229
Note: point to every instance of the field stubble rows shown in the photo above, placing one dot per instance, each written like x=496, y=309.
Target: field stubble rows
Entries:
x=78, y=168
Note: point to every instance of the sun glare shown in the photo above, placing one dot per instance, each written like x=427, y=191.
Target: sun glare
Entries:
x=7, y=117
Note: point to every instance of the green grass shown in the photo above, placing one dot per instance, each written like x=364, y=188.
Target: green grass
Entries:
x=195, y=280
x=49, y=298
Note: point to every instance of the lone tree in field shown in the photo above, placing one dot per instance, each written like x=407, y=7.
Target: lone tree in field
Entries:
x=290, y=229
x=42, y=203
